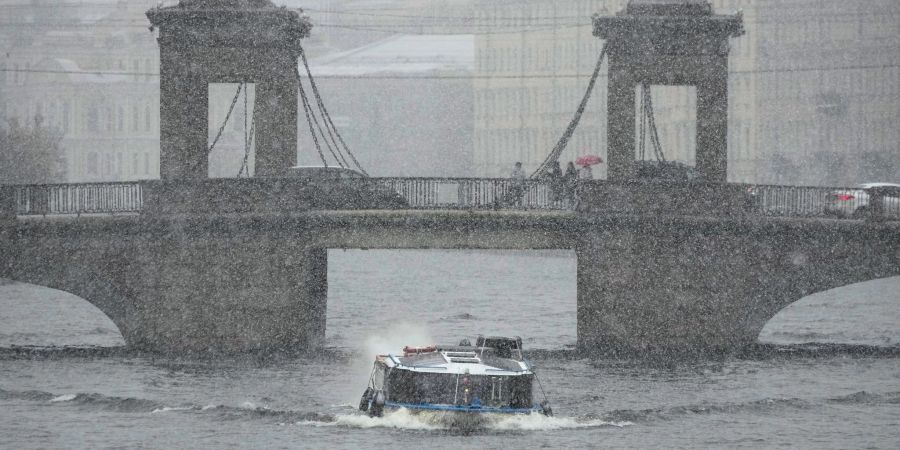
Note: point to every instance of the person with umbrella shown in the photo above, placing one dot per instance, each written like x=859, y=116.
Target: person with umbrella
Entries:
x=586, y=161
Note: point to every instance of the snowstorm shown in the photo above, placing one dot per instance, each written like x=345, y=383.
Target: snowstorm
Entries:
x=449, y=224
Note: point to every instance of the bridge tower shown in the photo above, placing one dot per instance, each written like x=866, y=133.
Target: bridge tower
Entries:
x=226, y=41
x=671, y=42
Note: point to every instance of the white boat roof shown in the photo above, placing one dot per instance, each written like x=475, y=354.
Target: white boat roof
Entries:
x=459, y=362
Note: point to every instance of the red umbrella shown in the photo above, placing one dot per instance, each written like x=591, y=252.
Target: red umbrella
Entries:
x=588, y=160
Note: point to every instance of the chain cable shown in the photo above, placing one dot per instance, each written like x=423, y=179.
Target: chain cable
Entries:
x=215, y=141
x=321, y=107
x=654, y=134
x=553, y=157
x=248, y=136
x=309, y=119
x=326, y=117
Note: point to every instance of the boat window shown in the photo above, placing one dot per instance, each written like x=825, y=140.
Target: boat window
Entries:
x=500, y=391
x=465, y=360
x=406, y=386
x=505, y=391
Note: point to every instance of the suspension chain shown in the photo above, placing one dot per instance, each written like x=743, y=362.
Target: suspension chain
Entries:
x=329, y=123
x=215, y=141
x=553, y=157
x=309, y=121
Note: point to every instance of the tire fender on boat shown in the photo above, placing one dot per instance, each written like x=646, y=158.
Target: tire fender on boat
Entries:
x=377, y=407
x=546, y=409
x=366, y=398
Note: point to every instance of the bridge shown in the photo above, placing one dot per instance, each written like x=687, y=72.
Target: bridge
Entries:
x=190, y=264
x=700, y=272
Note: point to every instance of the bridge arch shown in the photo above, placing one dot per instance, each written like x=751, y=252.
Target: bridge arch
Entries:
x=863, y=313
x=61, y=307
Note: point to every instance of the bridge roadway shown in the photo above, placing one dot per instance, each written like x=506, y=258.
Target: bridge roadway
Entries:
x=647, y=282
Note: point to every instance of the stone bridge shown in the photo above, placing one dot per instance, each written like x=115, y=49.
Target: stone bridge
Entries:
x=201, y=277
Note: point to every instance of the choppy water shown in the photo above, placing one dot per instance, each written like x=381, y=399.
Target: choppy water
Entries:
x=834, y=401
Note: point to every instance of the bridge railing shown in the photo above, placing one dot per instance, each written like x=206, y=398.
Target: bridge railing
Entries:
x=882, y=202
x=466, y=193
x=82, y=198
x=476, y=193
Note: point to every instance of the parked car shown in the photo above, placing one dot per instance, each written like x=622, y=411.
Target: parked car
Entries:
x=347, y=188
x=855, y=202
x=664, y=171
x=322, y=173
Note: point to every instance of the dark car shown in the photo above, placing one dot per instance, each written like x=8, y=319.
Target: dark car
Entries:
x=664, y=171
x=347, y=188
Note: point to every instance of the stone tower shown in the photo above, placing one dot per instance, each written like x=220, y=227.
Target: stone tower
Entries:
x=670, y=42
x=226, y=41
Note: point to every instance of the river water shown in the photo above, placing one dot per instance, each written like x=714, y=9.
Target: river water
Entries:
x=382, y=300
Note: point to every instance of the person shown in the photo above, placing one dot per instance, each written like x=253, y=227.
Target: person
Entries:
x=517, y=187
x=555, y=179
x=569, y=180
x=585, y=173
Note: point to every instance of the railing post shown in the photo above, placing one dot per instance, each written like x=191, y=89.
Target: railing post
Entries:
x=876, y=203
x=8, y=204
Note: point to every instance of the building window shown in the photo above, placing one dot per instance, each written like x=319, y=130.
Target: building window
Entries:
x=93, y=119
x=109, y=119
x=120, y=119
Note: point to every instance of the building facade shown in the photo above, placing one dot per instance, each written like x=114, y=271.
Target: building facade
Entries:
x=812, y=90
x=90, y=74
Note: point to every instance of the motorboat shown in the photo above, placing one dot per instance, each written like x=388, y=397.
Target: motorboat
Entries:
x=491, y=376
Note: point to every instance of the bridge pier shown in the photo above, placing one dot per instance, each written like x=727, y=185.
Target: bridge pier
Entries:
x=228, y=288
x=662, y=286
x=660, y=291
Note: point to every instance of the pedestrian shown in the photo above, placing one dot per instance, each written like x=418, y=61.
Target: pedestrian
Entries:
x=585, y=173
x=569, y=180
x=517, y=186
x=555, y=179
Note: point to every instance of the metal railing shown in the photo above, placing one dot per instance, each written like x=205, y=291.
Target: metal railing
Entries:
x=503, y=193
x=89, y=198
x=838, y=202
x=478, y=193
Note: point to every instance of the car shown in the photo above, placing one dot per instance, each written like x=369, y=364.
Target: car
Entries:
x=664, y=171
x=340, y=187
x=322, y=173
x=855, y=202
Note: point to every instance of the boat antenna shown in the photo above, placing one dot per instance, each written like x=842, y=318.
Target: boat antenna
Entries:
x=536, y=377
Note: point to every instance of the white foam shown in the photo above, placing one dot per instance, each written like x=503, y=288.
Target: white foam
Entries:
x=207, y=407
x=63, y=398
x=170, y=408
x=438, y=420
x=400, y=419
x=542, y=422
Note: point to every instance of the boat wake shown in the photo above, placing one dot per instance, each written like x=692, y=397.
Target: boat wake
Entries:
x=457, y=422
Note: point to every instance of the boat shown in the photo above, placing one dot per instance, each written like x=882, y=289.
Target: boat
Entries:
x=491, y=376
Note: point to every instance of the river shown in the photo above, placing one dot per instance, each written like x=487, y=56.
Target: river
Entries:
x=382, y=300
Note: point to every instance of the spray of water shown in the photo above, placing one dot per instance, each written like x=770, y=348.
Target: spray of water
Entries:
x=391, y=340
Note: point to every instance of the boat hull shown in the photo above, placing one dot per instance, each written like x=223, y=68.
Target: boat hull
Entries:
x=469, y=409
x=457, y=417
